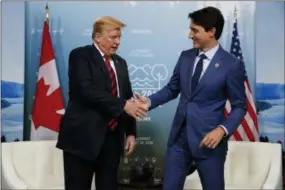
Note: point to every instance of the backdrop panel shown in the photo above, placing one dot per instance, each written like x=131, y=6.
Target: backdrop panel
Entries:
x=155, y=35
x=12, y=68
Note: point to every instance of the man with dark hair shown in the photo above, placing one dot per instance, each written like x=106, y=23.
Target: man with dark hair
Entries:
x=205, y=77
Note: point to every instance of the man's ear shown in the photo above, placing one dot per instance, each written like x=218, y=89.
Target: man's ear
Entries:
x=212, y=32
x=97, y=37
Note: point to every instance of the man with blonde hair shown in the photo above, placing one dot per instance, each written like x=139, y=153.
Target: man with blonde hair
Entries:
x=99, y=112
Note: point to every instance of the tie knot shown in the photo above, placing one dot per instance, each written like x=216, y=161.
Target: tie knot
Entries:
x=107, y=57
x=203, y=56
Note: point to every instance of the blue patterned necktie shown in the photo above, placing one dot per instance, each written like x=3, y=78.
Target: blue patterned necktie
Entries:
x=197, y=73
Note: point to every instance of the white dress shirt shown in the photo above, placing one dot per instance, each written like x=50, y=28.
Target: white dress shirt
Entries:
x=112, y=65
x=206, y=62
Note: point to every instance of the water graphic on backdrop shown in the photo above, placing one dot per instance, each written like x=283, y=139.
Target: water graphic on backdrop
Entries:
x=12, y=110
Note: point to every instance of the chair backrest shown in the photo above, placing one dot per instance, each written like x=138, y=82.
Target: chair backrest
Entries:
x=248, y=163
x=38, y=163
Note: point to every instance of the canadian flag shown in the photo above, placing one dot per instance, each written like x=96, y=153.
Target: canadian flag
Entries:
x=48, y=105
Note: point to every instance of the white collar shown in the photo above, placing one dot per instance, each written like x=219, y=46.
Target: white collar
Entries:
x=102, y=54
x=211, y=52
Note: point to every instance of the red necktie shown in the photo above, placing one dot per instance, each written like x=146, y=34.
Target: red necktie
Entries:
x=113, y=122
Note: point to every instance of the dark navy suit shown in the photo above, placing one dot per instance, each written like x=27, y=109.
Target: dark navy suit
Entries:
x=198, y=113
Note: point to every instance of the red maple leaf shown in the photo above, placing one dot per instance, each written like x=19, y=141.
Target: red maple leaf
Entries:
x=45, y=107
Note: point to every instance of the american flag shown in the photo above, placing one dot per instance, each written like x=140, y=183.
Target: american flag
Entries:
x=248, y=129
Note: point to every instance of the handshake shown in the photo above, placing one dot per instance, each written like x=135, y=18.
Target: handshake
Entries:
x=138, y=107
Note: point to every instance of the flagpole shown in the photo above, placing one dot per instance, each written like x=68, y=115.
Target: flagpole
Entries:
x=47, y=12
x=218, y=4
x=235, y=12
x=204, y=4
x=47, y=17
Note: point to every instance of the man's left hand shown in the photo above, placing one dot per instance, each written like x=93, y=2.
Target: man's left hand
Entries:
x=130, y=144
x=213, y=138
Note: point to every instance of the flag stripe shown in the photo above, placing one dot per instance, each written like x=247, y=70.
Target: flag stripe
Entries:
x=253, y=116
x=237, y=136
x=248, y=129
x=251, y=107
x=232, y=138
x=242, y=133
x=251, y=125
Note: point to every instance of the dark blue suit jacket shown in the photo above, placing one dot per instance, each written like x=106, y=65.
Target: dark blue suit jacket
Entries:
x=203, y=109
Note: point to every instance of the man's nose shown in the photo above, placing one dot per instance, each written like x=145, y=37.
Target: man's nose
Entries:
x=190, y=35
x=118, y=40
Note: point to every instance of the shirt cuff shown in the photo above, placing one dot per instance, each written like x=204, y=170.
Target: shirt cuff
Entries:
x=149, y=102
x=225, y=129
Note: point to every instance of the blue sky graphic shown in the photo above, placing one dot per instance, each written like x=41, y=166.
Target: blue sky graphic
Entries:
x=12, y=107
x=270, y=105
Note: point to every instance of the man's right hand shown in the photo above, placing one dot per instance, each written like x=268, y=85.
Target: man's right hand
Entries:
x=136, y=109
x=142, y=100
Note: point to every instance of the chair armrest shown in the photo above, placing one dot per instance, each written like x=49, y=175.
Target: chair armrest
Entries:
x=274, y=178
x=10, y=180
x=193, y=182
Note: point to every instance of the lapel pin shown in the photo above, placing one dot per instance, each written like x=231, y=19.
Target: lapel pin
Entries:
x=217, y=65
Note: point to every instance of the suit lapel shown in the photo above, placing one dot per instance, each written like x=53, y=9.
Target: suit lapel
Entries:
x=119, y=72
x=210, y=72
x=189, y=68
x=101, y=64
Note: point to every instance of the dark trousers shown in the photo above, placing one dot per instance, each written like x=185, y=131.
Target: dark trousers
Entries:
x=78, y=172
x=179, y=159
